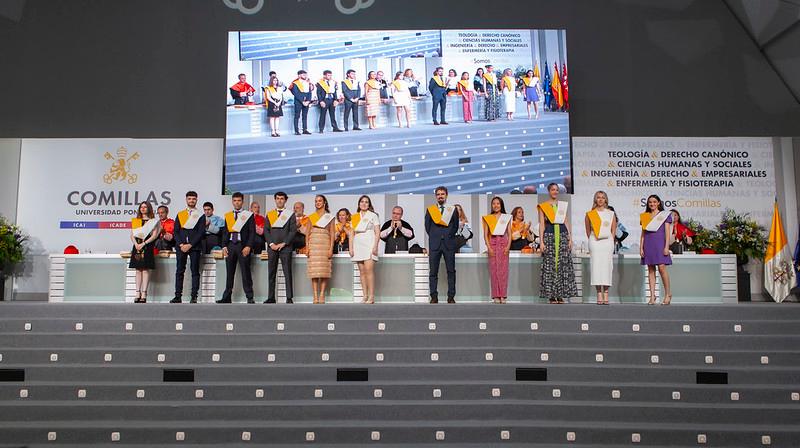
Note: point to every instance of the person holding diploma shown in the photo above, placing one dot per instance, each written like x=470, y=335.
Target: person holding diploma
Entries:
x=237, y=244
x=190, y=228
x=496, y=231
x=402, y=99
x=492, y=104
x=467, y=91
x=279, y=231
x=558, y=274
x=351, y=92
x=438, y=88
x=396, y=233
x=531, y=92
x=301, y=90
x=654, y=246
x=320, y=231
x=442, y=225
x=327, y=100
x=273, y=101
x=341, y=244
x=601, y=226
x=144, y=232
x=364, y=240
x=509, y=87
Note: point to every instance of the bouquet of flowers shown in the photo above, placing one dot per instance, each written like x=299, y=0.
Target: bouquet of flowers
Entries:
x=703, y=239
x=741, y=235
x=12, y=246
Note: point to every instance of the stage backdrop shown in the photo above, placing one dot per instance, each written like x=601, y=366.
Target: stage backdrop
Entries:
x=699, y=177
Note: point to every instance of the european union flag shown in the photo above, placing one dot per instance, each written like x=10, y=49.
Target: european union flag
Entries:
x=548, y=95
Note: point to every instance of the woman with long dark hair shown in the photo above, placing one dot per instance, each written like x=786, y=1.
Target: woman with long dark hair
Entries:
x=498, y=243
x=320, y=231
x=558, y=274
x=654, y=246
x=144, y=232
x=364, y=238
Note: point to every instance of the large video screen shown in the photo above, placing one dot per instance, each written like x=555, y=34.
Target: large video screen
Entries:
x=353, y=112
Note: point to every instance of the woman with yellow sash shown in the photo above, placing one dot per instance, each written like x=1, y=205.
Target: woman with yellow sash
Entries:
x=492, y=105
x=654, y=246
x=320, y=231
x=364, y=238
x=372, y=96
x=508, y=85
x=521, y=233
x=531, y=92
x=341, y=243
x=144, y=232
x=402, y=98
x=467, y=91
x=601, y=226
x=498, y=243
x=558, y=274
x=273, y=101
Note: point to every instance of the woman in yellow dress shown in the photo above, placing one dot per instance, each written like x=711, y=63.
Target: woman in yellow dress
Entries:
x=320, y=231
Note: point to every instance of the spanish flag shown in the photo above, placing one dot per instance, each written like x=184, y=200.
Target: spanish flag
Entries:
x=555, y=86
x=779, y=272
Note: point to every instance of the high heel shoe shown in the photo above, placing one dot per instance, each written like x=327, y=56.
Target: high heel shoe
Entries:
x=144, y=298
x=667, y=300
x=138, y=298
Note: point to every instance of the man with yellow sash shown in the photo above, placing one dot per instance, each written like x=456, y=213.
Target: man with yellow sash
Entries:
x=301, y=90
x=438, y=88
x=237, y=244
x=279, y=231
x=441, y=224
x=328, y=100
x=351, y=91
x=190, y=228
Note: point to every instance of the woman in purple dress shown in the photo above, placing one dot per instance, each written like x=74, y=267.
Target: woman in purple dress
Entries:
x=654, y=246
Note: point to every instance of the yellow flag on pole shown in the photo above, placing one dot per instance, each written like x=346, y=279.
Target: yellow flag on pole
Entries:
x=779, y=275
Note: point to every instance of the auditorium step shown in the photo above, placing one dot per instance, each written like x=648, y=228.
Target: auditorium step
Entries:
x=399, y=375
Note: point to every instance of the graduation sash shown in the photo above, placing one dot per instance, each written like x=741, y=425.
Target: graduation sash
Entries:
x=510, y=83
x=556, y=215
x=358, y=224
x=349, y=84
x=465, y=86
x=320, y=221
x=272, y=94
x=398, y=85
x=373, y=83
x=530, y=82
x=653, y=223
x=601, y=227
x=438, y=80
x=278, y=221
x=235, y=225
x=189, y=219
x=341, y=230
x=440, y=218
x=302, y=85
x=142, y=231
x=324, y=84
x=490, y=78
x=497, y=224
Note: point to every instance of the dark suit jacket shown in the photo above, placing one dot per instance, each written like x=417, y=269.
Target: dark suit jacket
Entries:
x=441, y=238
x=283, y=234
x=247, y=235
x=298, y=95
x=437, y=91
x=193, y=236
x=351, y=94
x=329, y=98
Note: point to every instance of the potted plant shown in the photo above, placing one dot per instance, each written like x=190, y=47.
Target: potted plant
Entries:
x=739, y=234
x=12, y=251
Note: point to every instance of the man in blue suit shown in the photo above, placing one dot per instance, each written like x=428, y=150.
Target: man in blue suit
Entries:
x=441, y=224
x=301, y=90
x=190, y=229
x=438, y=88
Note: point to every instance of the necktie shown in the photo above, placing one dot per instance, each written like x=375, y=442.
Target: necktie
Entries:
x=441, y=209
x=235, y=235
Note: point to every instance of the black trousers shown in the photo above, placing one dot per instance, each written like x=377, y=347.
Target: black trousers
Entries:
x=350, y=106
x=441, y=104
x=235, y=258
x=210, y=241
x=330, y=109
x=285, y=256
x=299, y=110
x=434, y=257
x=194, y=256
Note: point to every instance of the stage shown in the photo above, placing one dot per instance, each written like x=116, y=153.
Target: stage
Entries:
x=455, y=375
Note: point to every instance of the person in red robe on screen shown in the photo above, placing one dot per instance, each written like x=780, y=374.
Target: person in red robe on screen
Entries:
x=242, y=92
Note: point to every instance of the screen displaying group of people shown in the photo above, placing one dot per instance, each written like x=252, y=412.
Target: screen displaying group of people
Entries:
x=375, y=90
x=281, y=232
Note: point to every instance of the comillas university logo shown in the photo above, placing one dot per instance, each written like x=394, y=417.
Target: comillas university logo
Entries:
x=121, y=169
x=250, y=7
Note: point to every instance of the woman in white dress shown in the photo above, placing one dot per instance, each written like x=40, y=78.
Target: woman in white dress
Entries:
x=402, y=98
x=508, y=85
x=364, y=236
x=601, y=226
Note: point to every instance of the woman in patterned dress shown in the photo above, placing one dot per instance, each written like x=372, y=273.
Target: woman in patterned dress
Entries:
x=558, y=274
x=320, y=248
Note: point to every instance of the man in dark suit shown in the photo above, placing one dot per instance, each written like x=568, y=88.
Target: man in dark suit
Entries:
x=190, y=228
x=351, y=91
x=301, y=90
x=328, y=100
x=237, y=243
x=438, y=88
x=279, y=231
x=441, y=224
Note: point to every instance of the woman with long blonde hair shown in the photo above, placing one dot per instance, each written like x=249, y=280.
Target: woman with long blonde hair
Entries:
x=601, y=226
